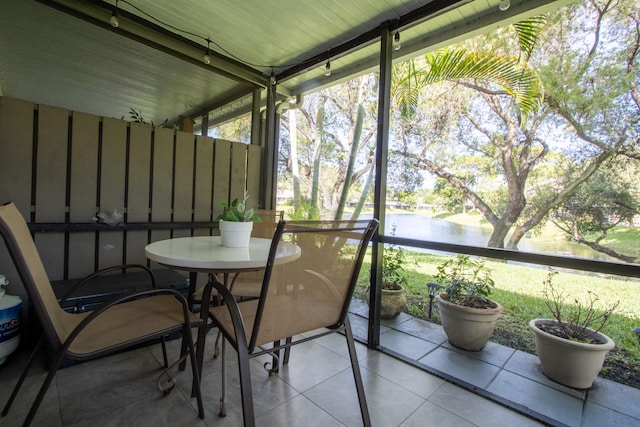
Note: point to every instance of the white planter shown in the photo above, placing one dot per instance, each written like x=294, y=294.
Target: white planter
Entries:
x=467, y=328
x=235, y=234
x=567, y=362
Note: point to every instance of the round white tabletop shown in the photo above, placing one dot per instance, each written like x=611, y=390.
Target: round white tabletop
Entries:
x=206, y=254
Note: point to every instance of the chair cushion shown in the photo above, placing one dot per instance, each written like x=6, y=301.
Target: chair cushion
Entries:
x=284, y=317
x=127, y=323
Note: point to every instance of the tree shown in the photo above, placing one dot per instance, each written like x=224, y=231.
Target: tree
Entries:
x=599, y=205
x=336, y=144
x=355, y=98
x=590, y=95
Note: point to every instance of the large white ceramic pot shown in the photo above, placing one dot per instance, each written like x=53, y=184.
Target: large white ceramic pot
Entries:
x=574, y=364
x=467, y=328
x=235, y=234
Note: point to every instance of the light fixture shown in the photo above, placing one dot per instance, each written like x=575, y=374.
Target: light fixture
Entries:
x=114, y=21
x=433, y=289
x=504, y=5
x=207, y=56
x=272, y=79
x=396, y=41
x=327, y=69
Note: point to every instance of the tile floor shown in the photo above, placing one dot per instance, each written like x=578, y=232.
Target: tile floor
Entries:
x=317, y=388
x=502, y=374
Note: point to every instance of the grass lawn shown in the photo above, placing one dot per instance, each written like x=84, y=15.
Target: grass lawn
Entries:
x=519, y=289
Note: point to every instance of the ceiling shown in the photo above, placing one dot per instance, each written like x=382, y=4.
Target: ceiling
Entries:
x=65, y=53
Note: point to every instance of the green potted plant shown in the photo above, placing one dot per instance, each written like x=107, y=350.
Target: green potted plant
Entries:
x=236, y=223
x=393, y=300
x=570, y=345
x=468, y=315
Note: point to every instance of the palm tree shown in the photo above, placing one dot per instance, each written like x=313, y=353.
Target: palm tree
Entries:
x=512, y=73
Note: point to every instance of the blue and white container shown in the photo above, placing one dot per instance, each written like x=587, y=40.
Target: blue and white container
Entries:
x=10, y=307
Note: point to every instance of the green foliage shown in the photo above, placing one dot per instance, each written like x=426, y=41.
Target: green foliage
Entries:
x=136, y=117
x=529, y=34
x=238, y=212
x=393, y=261
x=517, y=78
x=466, y=280
x=305, y=212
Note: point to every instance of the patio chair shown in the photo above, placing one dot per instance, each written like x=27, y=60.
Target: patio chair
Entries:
x=311, y=295
x=127, y=321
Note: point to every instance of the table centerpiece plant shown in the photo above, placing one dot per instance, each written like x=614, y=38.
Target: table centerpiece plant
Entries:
x=236, y=222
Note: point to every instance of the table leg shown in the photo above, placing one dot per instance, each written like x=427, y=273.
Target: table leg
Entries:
x=193, y=278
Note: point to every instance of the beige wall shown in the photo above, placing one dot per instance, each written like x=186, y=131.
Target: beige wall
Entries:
x=63, y=167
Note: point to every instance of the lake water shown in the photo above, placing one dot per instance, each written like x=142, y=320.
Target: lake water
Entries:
x=421, y=227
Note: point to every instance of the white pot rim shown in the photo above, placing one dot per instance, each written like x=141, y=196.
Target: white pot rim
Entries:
x=605, y=344
x=497, y=309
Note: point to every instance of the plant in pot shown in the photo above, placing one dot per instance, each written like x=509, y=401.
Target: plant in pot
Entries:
x=393, y=300
x=570, y=345
x=236, y=223
x=467, y=314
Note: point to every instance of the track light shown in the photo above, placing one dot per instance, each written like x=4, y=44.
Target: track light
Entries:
x=207, y=56
x=396, y=41
x=327, y=69
x=504, y=5
x=114, y=21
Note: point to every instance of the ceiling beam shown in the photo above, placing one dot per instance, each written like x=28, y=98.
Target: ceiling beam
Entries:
x=430, y=10
x=98, y=12
x=474, y=25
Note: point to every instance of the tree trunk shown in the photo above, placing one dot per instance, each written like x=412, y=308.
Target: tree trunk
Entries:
x=316, y=160
x=295, y=172
x=357, y=132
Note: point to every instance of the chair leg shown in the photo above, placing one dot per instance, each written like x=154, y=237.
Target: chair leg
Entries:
x=23, y=376
x=45, y=386
x=183, y=349
x=275, y=360
x=245, y=386
x=202, y=336
x=355, y=367
x=223, y=382
x=287, y=351
x=195, y=370
x=216, y=347
x=164, y=352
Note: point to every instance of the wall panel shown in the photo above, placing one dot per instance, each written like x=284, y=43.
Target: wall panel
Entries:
x=84, y=167
x=62, y=168
x=162, y=181
x=51, y=184
x=254, y=174
x=221, y=172
x=51, y=166
x=16, y=151
x=183, y=180
x=139, y=173
x=203, y=179
x=83, y=191
x=238, y=175
x=112, y=188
